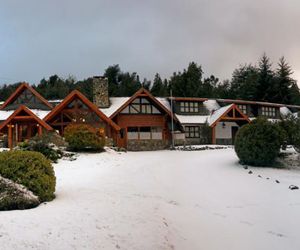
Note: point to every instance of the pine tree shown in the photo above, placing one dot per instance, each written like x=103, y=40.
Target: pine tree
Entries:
x=244, y=83
x=188, y=83
x=193, y=80
x=157, y=88
x=295, y=94
x=283, y=82
x=112, y=73
x=265, y=83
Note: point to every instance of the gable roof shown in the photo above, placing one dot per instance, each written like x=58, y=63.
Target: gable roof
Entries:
x=20, y=90
x=222, y=112
x=142, y=93
x=77, y=94
x=30, y=114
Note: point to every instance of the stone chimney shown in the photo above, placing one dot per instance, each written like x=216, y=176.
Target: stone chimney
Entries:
x=100, y=92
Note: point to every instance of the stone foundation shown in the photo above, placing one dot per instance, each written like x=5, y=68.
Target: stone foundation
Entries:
x=224, y=141
x=146, y=145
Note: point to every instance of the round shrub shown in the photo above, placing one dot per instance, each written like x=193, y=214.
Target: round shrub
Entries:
x=83, y=137
x=258, y=143
x=30, y=169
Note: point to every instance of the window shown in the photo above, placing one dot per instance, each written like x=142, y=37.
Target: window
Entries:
x=268, y=111
x=243, y=108
x=156, y=133
x=189, y=107
x=144, y=133
x=192, y=132
x=133, y=133
x=140, y=106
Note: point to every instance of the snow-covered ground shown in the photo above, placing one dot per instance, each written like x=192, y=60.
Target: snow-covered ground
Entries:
x=161, y=200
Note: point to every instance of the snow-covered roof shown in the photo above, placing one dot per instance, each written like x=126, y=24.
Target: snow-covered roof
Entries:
x=192, y=119
x=211, y=105
x=284, y=111
x=164, y=102
x=115, y=104
x=40, y=113
x=218, y=113
x=4, y=114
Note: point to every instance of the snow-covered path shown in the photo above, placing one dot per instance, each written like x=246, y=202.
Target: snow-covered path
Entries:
x=161, y=200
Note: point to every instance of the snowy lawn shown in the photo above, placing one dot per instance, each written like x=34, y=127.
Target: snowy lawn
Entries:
x=161, y=200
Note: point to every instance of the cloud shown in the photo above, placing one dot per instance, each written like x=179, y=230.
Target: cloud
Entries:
x=82, y=38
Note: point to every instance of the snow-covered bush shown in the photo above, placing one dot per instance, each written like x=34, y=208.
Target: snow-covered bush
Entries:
x=291, y=125
x=259, y=142
x=83, y=137
x=16, y=196
x=30, y=169
x=49, y=144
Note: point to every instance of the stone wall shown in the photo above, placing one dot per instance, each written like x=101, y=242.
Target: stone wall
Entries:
x=146, y=145
x=100, y=92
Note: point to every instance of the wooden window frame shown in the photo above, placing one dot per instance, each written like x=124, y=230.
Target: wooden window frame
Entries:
x=268, y=112
x=192, y=131
x=189, y=107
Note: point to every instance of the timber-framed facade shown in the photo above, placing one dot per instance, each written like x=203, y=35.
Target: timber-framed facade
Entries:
x=139, y=122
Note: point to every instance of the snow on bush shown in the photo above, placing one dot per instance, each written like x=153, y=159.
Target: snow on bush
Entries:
x=31, y=169
x=50, y=144
x=291, y=125
x=258, y=143
x=16, y=196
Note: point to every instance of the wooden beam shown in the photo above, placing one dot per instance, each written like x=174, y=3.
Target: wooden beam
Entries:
x=23, y=118
x=10, y=139
x=233, y=119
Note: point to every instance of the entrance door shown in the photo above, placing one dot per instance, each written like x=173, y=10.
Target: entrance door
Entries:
x=234, y=130
x=123, y=138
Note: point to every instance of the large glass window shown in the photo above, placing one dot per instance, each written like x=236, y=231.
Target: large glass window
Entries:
x=144, y=133
x=192, y=131
x=140, y=106
x=189, y=107
x=133, y=133
x=268, y=112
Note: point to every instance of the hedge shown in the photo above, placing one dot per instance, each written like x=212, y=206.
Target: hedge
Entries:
x=30, y=169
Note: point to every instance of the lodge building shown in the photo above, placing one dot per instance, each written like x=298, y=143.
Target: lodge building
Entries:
x=139, y=122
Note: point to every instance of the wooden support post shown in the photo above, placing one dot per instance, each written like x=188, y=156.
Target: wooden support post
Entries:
x=28, y=132
x=213, y=135
x=19, y=133
x=10, y=137
x=40, y=129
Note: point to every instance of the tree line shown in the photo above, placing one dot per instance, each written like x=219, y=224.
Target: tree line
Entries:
x=259, y=82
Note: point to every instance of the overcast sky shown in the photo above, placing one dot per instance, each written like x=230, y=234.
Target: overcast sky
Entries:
x=83, y=37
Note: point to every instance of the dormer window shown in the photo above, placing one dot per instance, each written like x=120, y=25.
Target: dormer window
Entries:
x=268, y=111
x=189, y=107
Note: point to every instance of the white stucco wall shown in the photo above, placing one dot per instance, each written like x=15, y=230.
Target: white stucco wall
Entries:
x=224, y=133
